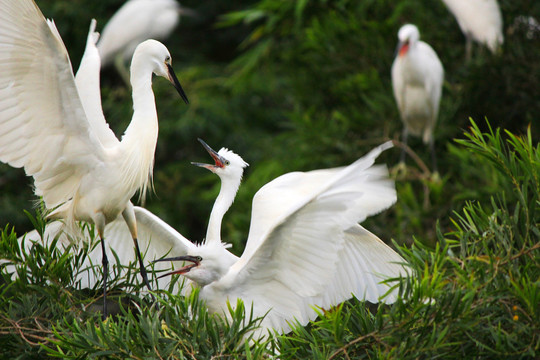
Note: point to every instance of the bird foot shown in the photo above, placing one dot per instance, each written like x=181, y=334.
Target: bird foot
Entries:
x=399, y=171
x=435, y=177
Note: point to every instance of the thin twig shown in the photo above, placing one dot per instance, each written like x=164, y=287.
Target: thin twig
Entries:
x=346, y=346
x=412, y=154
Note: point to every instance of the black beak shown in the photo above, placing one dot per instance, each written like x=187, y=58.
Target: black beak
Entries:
x=195, y=260
x=220, y=162
x=190, y=258
x=174, y=80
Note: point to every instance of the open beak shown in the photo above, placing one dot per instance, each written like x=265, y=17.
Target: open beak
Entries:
x=194, y=262
x=174, y=80
x=220, y=161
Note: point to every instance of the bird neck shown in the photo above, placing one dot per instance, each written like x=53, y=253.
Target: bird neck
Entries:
x=140, y=139
x=141, y=82
x=226, y=196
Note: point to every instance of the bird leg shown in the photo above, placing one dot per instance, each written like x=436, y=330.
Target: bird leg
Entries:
x=144, y=274
x=404, y=136
x=129, y=217
x=468, y=47
x=433, y=157
x=99, y=220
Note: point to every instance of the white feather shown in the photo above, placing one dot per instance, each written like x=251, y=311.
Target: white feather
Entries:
x=417, y=79
x=479, y=19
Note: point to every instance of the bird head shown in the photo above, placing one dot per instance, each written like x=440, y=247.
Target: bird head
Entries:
x=408, y=35
x=156, y=54
x=228, y=165
x=203, y=264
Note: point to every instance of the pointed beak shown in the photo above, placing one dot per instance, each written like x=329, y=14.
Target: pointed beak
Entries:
x=402, y=48
x=220, y=162
x=174, y=80
x=194, y=262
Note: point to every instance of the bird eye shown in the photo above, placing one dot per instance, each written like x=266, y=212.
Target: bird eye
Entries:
x=198, y=258
x=227, y=162
x=168, y=59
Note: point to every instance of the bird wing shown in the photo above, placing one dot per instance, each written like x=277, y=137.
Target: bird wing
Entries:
x=280, y=196
x=398, y=83
x=293, y=266
x=43, y=127
x=434, y=75
x=88, y=84
x=156, y=240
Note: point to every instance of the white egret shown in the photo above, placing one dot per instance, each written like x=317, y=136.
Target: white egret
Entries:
x=304, y=248
x=479, y=20
x=417, y=79
x=80, y=169
x=134, y=22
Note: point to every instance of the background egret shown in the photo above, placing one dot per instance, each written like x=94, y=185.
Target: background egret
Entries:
x=80, y=169
x=417, y=78
x=479, y=20
x=134, y=22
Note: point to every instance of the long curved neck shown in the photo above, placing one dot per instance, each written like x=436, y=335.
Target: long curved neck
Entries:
x=144, y=104
x=140, y=139
x=226, y=196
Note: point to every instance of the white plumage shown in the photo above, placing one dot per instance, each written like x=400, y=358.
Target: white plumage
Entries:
x=133, y=23
x=417, y=79
x=79, y=167
x=479, y=20
x=304, y=249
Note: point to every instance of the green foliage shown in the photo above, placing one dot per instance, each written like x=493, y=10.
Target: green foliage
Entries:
x=475, y=294
x=295, y=86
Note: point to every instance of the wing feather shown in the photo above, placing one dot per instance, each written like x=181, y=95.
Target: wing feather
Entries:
x=310, y=257
x=42, y=119
x=156, y=240
x=87, y=80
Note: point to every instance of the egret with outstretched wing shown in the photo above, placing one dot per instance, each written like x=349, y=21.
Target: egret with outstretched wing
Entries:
x=304, y=248
x=80, y=169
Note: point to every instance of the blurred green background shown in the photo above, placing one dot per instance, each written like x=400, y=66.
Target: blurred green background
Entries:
x=300, y=85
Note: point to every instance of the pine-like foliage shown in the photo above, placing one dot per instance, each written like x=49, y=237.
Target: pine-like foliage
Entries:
x=474, y=295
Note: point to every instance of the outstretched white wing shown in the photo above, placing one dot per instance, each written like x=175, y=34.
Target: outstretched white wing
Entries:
x=316, y=254
x=88, y=84
x=43, y=127
x=156, y=239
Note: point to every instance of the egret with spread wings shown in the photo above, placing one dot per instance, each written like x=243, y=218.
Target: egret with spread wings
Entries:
x=54, y=127
x=304, y=248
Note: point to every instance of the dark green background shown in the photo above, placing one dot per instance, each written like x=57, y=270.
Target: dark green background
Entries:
x=301, y=85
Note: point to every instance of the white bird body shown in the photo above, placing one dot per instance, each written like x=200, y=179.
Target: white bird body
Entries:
x=417, y=79
x=80, y=169
x=479, y=20
x=304, y=246
x=79, y=166
x=135, y=22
